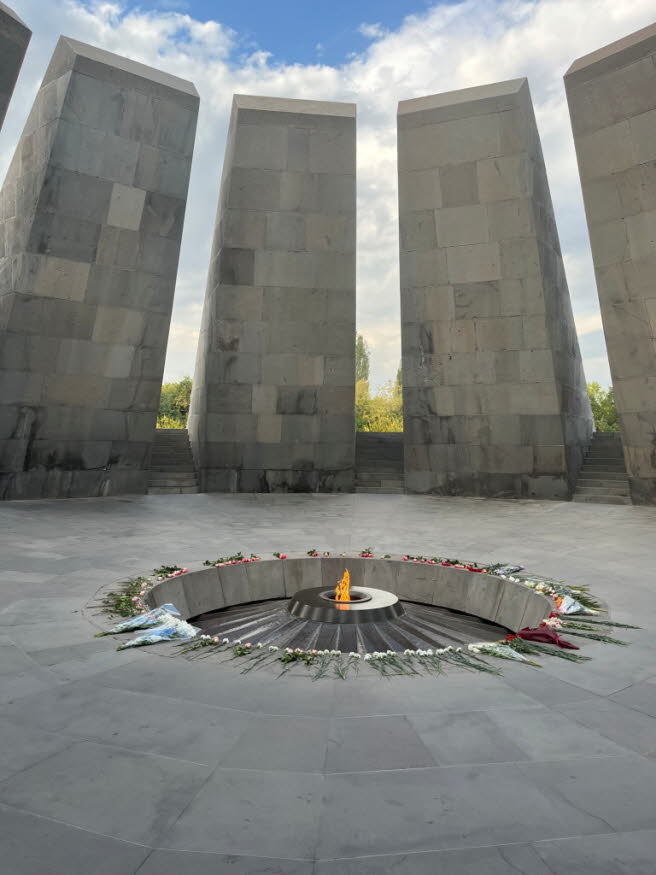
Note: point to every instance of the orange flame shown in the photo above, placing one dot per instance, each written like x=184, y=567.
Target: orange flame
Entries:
x=342, y=590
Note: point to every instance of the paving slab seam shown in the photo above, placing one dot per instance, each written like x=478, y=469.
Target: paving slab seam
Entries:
x=469, y=847
x=72, y=825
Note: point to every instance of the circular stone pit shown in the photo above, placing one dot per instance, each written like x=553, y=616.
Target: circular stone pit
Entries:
x=418, y=603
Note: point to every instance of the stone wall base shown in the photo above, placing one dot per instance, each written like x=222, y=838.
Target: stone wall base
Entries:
x=72, y=484
x=265, y=480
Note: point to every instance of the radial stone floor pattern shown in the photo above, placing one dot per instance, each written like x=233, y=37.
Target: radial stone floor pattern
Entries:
x=117, y=763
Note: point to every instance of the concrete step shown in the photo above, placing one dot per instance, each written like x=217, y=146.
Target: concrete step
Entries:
x=380, y=490
x=173, y=490
x=175, y=473
x=378, y=465
x=597, y=474
x=159, y=459
x=601, y=499
x=617, y=489
x=611, y=485
x=388, y=476
x=182, y=469
x=598, y=466
x=172, y=481
x=177, y=448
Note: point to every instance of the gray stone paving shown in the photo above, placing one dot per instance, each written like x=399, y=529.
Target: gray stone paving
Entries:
x=118, y=763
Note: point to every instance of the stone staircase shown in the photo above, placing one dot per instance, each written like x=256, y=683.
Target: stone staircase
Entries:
x=172, y=465
x=603, y=478
x=379, y=462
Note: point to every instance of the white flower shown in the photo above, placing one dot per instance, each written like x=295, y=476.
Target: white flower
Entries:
x=238, y=641
x=367, y=657
x=429, y=653
x=205, y=637
x=259, y=645
x=226, y=641
x=390, y=653
x=407, y=652
x=272, y=648
x=355, y=656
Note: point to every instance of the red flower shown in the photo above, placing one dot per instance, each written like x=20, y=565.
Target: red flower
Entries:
x=510, y=636
x=283, y=556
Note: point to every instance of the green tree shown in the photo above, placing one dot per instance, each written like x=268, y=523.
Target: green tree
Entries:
x=382, y=412
x=603, y=406
x=174, y=404
x=362, y=356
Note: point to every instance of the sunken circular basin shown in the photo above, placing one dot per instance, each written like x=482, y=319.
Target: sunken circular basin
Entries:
x=427, y=604
x=366, y=605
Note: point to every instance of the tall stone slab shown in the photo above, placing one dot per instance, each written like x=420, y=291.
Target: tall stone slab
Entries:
x=14, y=38
x=494, y=395
x=91, y=215
x=272, y=405
x=612, y=104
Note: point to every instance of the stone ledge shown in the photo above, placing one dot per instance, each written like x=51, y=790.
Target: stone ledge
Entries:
x=491, y=598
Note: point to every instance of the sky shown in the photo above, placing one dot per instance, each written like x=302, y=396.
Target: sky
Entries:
x=374, y=53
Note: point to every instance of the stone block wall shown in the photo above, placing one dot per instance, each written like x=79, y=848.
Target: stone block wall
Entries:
x=612, y=104
x=273, y=399
x=91, y=216
x=14, y=39
x=494, y=394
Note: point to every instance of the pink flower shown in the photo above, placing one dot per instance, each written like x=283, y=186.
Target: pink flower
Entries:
x=218, y=564
x=184, y=571
x=135, y=598
x=248, y=644
x=283, y=555
x=405, y=558
x=245, y=559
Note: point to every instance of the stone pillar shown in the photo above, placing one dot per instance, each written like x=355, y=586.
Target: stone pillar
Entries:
x=494, y=395
x=91, y=213
x=273, y=400
x=14, y=39
x=612, y=104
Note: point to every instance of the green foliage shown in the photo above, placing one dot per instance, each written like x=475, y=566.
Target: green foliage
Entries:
x=165, y=570
x=604, y=410
x=362, y=359
x=383, y=412
x=121, y=603
x=174, y=404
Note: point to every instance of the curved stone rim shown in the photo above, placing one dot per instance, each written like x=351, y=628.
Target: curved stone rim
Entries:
x=210, y=588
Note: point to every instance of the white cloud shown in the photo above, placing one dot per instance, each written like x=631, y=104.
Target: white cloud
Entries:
x=449, y=46
x=372, y=31
x=589, y=324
